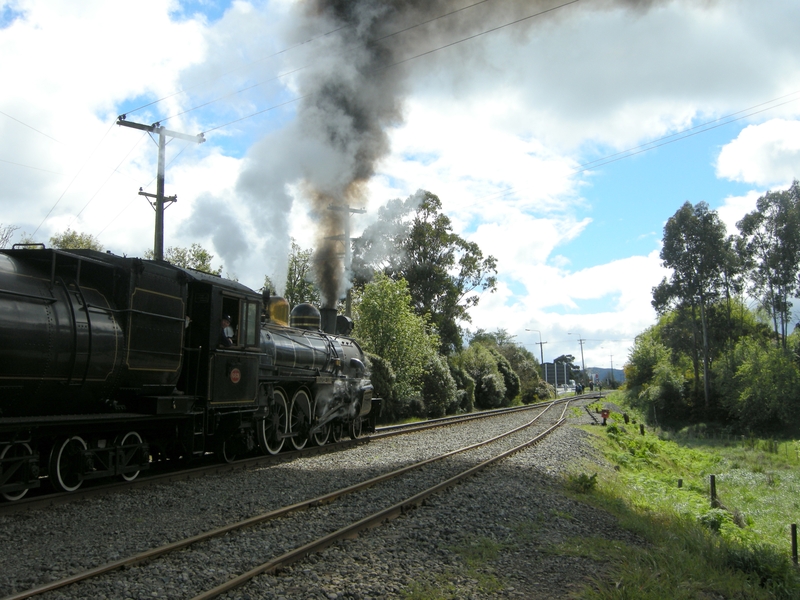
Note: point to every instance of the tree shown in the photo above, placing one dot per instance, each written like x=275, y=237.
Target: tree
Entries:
x=696, y=249
x=566, y=362
x=386, y=325
x=765, y=388
x=653, y=383
x=299, y=286
x=414, y=241
x=6, y=231
x=771, y=247
x=72, y=240
x=195, y=257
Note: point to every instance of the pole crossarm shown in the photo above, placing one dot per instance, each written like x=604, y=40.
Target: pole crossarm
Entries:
x=156, y=128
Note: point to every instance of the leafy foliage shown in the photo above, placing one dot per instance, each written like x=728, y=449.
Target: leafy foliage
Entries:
x=72, y=240
x=771, y=252
x=766, y=388
x=386, y=326
x=438, y=388
x=195, y=257
x=697, y=251
x=518, y=366
x=413, y=240
x=481, y=365
x=465, y=387
x=383, y=382
x=299, y=285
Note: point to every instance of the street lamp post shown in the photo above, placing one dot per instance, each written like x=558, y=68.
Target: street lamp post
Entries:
x=580, y=341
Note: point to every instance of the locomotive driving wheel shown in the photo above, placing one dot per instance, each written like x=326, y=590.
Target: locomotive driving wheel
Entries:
x=321, y=437
x=67, y=464
x=128, y=455
x=15, y=451
x=300, y=418
x=272, y=430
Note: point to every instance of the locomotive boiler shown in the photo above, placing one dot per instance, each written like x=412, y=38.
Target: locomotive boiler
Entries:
x=108, y=363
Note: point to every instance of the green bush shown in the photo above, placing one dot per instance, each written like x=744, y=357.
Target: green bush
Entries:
x=438, y=387
x=465, y=389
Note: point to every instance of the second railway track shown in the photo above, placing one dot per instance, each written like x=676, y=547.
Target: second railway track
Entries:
x=179, y=580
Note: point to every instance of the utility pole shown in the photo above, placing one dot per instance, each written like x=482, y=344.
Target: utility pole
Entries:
x=612, y=370
x=541, y=344
x=348, y=251
x=158, y=205
x=580, y=341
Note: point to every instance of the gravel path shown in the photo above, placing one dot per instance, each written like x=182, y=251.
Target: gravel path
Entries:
x=513, y=513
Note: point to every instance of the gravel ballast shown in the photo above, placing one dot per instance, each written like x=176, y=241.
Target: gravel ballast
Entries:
x=514, y=513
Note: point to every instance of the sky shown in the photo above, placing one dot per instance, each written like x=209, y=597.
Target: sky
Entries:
x=560, y=135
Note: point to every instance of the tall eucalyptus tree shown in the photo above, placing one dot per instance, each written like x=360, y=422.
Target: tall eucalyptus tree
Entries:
x=695, y=247
x=771, y=248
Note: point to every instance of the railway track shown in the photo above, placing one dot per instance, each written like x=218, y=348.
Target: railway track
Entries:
x=211, y=466
x=294, y=531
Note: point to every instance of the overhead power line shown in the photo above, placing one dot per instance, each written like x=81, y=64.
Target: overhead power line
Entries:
x=667, y=139
x=410, y=58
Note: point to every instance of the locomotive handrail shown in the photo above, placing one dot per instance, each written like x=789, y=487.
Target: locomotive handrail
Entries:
x=135, y=311
x=24, y=295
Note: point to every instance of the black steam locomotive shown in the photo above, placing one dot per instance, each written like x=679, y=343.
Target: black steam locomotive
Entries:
x=108, y=363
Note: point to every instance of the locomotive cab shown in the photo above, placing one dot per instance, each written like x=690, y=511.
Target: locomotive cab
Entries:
x=224, y=375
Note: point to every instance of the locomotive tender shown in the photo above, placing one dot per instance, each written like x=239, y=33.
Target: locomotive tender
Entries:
x=108, y=363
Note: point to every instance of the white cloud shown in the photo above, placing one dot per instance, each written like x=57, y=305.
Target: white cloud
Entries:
x=767, y=154
x=734, y=208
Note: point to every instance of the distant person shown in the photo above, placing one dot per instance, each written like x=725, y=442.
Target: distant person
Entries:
x=226, y=331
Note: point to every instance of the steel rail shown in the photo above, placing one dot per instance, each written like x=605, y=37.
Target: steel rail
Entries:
x=257, y=519
x=369, y=522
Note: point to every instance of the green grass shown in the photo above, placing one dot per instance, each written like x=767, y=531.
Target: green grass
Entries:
x=692, y=550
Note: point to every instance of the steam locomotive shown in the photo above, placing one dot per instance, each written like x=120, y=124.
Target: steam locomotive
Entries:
x=108, y=363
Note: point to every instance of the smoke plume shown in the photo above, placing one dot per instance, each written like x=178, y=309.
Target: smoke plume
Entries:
x=352, y=82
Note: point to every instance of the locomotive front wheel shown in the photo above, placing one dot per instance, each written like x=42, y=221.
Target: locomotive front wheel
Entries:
x=131, y=437
x=271, y=431
x=299, y=418
x=66, y=464
x=229, y=450
x=355, y=428
x=15, y=451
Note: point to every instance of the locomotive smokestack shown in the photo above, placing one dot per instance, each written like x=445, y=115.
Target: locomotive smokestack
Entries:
x=328, y=320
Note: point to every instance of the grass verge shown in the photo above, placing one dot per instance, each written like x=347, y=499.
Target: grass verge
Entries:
x=740, y=549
